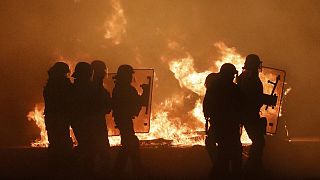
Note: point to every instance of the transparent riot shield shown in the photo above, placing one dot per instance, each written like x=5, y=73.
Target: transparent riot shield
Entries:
x=273, y=85
x=142, y=79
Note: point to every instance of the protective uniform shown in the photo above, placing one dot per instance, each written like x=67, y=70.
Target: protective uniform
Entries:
x=126, y=105
x=210, y=141
x=57, y=99
x=82, y=116
x=251, y=86
x=56, y=95
x=225, y=107
x=101, y=107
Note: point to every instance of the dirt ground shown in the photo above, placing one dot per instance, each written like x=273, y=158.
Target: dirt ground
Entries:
x=282, y=160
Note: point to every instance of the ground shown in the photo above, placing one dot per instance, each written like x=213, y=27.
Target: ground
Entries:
x=282, y=160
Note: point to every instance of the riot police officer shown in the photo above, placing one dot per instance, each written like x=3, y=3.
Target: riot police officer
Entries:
x=251, y=86
x=102, y=106
x=210, y=141
x=127, y=104
x=56, y=95
x=82, y=116
x=225, y=113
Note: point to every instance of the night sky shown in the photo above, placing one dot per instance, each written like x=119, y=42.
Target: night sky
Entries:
x=35, y=34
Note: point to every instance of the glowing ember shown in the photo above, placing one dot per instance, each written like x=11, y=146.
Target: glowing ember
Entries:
x=286, y=92
x=116, y=24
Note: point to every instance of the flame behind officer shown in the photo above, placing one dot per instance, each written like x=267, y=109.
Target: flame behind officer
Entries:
x=102, y=106
x=56, y=95
x=251, y=86
x=127, y=104
x=226, y=114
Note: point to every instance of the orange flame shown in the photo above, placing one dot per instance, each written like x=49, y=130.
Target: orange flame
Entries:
x=37, y=116
x=164, y=126
x=187, y=76
x=185, y=73
x=116, y=24
x=229, y=55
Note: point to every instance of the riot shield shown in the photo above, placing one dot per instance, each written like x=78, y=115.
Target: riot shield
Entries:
x=142, y=81
x=273, y=85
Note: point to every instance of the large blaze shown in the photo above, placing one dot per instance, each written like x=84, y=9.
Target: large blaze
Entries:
x=168, y=121
x=189, y=78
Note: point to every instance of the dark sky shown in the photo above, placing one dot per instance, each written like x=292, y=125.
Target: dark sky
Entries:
x=34, y=33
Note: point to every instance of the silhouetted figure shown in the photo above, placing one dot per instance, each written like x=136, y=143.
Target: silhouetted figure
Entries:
x=251, y=85
x=56, y=95
x=102, y=106
x=210, y=83
x=83, y=113
x=225, y=114
x=126, y=105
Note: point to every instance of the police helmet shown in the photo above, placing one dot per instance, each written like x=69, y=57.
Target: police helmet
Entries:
x=59, y=69
x=124, y=70
x=98, y=65
x=210, y=79
x=252, y=62
x=228, y=69
x=82, y=69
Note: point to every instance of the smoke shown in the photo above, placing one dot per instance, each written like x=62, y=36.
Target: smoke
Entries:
x=34, y=34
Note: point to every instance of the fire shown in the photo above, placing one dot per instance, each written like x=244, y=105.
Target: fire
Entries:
x=185, y=73
x=229, y=55
x=165, y=124
x=37, y=116
x=189, y=78
x=116, y=25
x=169, y=121
x=197, y=111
